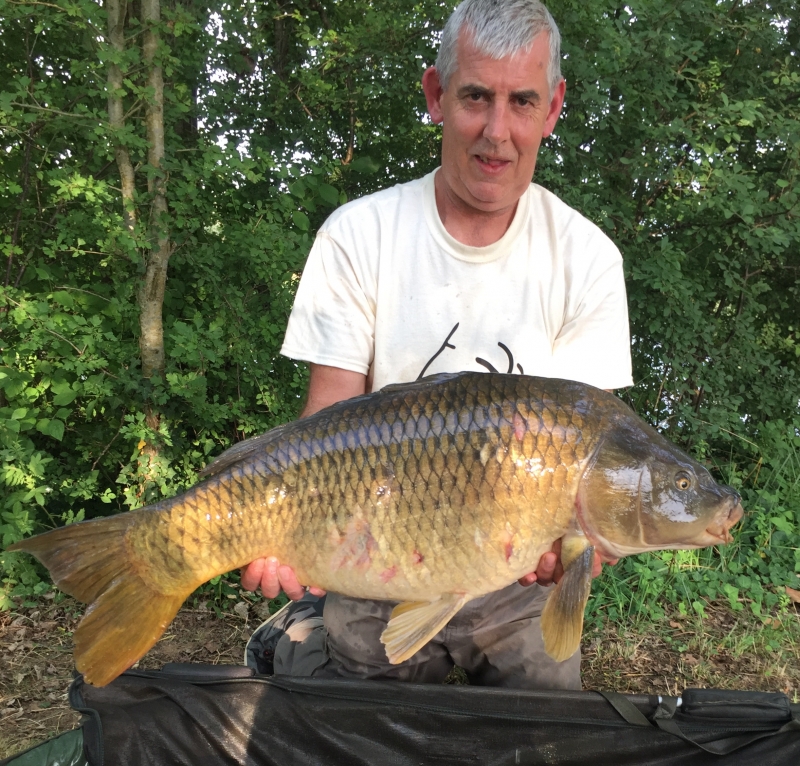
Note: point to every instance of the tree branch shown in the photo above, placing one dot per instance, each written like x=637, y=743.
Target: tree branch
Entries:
x=58, y=112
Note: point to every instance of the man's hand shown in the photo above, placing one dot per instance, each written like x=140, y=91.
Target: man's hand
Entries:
x=550, y=569
x=274, y=578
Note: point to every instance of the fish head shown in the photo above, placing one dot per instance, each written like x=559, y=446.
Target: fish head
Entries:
x=641, y=493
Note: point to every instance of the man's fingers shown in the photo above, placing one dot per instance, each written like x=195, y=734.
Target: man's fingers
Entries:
x=251, y=574
x=273, y=578
x=547, y=572
x=270, y=584
x=288, y=580
x=550, y=569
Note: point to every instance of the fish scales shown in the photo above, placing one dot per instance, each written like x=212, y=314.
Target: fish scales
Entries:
x=461, y=489
x=448, y=489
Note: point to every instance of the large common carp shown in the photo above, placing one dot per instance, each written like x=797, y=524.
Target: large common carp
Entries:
x=429, y=493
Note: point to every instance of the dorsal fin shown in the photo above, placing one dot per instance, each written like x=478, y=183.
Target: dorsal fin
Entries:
x=439, y=377
x=243, y=450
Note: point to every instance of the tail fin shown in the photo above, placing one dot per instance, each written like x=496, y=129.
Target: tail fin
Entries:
x=126, y=614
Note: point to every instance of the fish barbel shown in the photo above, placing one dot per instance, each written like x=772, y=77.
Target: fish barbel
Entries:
x=430, y=493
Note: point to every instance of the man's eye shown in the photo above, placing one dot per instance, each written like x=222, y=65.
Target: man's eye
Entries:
x=475, y=96
x=523, y=102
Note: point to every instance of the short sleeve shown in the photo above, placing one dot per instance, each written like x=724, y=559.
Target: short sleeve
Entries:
x=594, y=342
x=333, y=317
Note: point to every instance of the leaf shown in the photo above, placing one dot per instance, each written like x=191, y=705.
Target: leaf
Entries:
x=63, y=298
x=793, y=594
x=733, y=596
x=301, y=220
x=65, y=397
x=12, y=425
x=329, y=194
x=365, y=165
x=783, y=525
x=55, y=428
x=42, y=425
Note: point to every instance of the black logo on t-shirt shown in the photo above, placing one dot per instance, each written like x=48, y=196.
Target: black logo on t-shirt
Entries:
x=488, y=365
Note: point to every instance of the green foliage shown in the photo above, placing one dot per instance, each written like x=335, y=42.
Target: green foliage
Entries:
x=683, y=141
x=680, y=137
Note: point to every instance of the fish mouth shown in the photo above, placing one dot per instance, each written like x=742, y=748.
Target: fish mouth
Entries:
x=720, y=528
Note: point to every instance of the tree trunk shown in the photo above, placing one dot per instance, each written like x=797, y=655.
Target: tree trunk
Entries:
x=116, y=10
x=151, y=294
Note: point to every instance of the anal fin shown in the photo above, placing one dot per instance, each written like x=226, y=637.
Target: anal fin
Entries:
x=414, y=623
x=562, y=617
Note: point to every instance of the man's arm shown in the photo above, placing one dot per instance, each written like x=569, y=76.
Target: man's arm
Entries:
x=326, y=386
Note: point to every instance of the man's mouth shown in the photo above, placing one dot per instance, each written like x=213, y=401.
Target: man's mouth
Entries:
x=487, y=162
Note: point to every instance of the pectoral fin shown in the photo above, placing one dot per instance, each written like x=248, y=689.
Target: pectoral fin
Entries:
x=414, y=623
x=562, y=617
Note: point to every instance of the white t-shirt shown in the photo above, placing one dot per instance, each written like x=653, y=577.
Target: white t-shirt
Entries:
x=387, y=292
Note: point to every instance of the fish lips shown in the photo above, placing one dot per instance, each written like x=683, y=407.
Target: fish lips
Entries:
x=726, y=519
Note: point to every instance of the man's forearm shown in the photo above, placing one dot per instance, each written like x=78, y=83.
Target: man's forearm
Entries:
x=328, y=385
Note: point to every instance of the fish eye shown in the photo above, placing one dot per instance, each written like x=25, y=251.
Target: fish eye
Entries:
x=683, y=481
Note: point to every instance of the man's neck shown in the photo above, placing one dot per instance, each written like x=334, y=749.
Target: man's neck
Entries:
x=469, y=226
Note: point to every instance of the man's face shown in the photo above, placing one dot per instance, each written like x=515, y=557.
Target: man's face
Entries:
x=495, y=114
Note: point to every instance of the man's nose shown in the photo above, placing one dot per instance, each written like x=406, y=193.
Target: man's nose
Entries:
x=498, y=127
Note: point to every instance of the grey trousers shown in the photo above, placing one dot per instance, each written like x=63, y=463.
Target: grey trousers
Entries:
x=496, y=639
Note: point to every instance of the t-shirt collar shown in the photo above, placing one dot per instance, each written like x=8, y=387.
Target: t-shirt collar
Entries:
x=465, y=252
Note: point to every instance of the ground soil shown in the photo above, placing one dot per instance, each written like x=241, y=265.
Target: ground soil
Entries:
x=36, y=664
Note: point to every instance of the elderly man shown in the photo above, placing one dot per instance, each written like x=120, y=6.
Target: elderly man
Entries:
x=471, y=267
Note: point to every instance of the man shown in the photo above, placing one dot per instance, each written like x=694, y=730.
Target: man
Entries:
x=470, y=267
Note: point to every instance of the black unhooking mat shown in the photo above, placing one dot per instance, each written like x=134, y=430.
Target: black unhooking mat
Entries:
x=186, y=715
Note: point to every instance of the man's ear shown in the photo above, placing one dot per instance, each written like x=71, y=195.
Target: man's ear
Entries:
x=554, y=110
x=433, y=91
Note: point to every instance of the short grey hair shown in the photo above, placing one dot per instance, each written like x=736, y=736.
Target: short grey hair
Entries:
x=499, y=28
